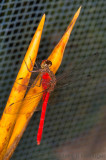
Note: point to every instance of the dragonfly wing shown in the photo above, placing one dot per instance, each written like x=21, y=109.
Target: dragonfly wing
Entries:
x=32, y=81
x=71, y=73
x=26, y=103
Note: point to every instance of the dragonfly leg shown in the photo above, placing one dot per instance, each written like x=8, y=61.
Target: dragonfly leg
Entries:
x=34, y=84
x=38, y=62
x=22, y=84
x=37, y=68
x=31, y=62
x=33, y=65
x=40, y=81
x=28, y=68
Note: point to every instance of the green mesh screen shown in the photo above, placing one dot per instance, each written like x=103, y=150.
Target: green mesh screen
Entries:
x=75, y=120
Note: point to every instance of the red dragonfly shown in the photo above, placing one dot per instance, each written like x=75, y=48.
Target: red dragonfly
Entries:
x=48, y=82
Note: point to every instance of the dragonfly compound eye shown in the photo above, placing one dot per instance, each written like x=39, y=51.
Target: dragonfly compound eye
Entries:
x=49, y=63
x=46, y=63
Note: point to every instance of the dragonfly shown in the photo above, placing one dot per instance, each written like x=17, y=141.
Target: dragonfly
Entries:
x=48, y=80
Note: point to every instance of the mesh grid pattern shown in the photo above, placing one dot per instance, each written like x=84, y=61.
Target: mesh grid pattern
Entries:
x=78, y=110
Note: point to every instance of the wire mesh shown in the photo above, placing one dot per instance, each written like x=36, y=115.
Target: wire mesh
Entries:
x=75, y=122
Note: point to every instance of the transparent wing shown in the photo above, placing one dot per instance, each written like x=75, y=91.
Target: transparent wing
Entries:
x=71, y=78
x=26, y=103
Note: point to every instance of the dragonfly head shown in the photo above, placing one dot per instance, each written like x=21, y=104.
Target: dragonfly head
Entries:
x=46, y=63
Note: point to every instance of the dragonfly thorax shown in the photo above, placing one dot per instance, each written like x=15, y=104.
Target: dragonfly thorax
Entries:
x=48, y=77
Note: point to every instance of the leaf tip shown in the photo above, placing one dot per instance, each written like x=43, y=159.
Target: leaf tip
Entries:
x=43, y=17
x=79, y=9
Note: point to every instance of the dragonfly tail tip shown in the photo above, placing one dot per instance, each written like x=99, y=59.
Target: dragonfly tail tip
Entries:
x=38, y=143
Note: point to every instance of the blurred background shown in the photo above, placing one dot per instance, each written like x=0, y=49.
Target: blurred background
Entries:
x=75, y=119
